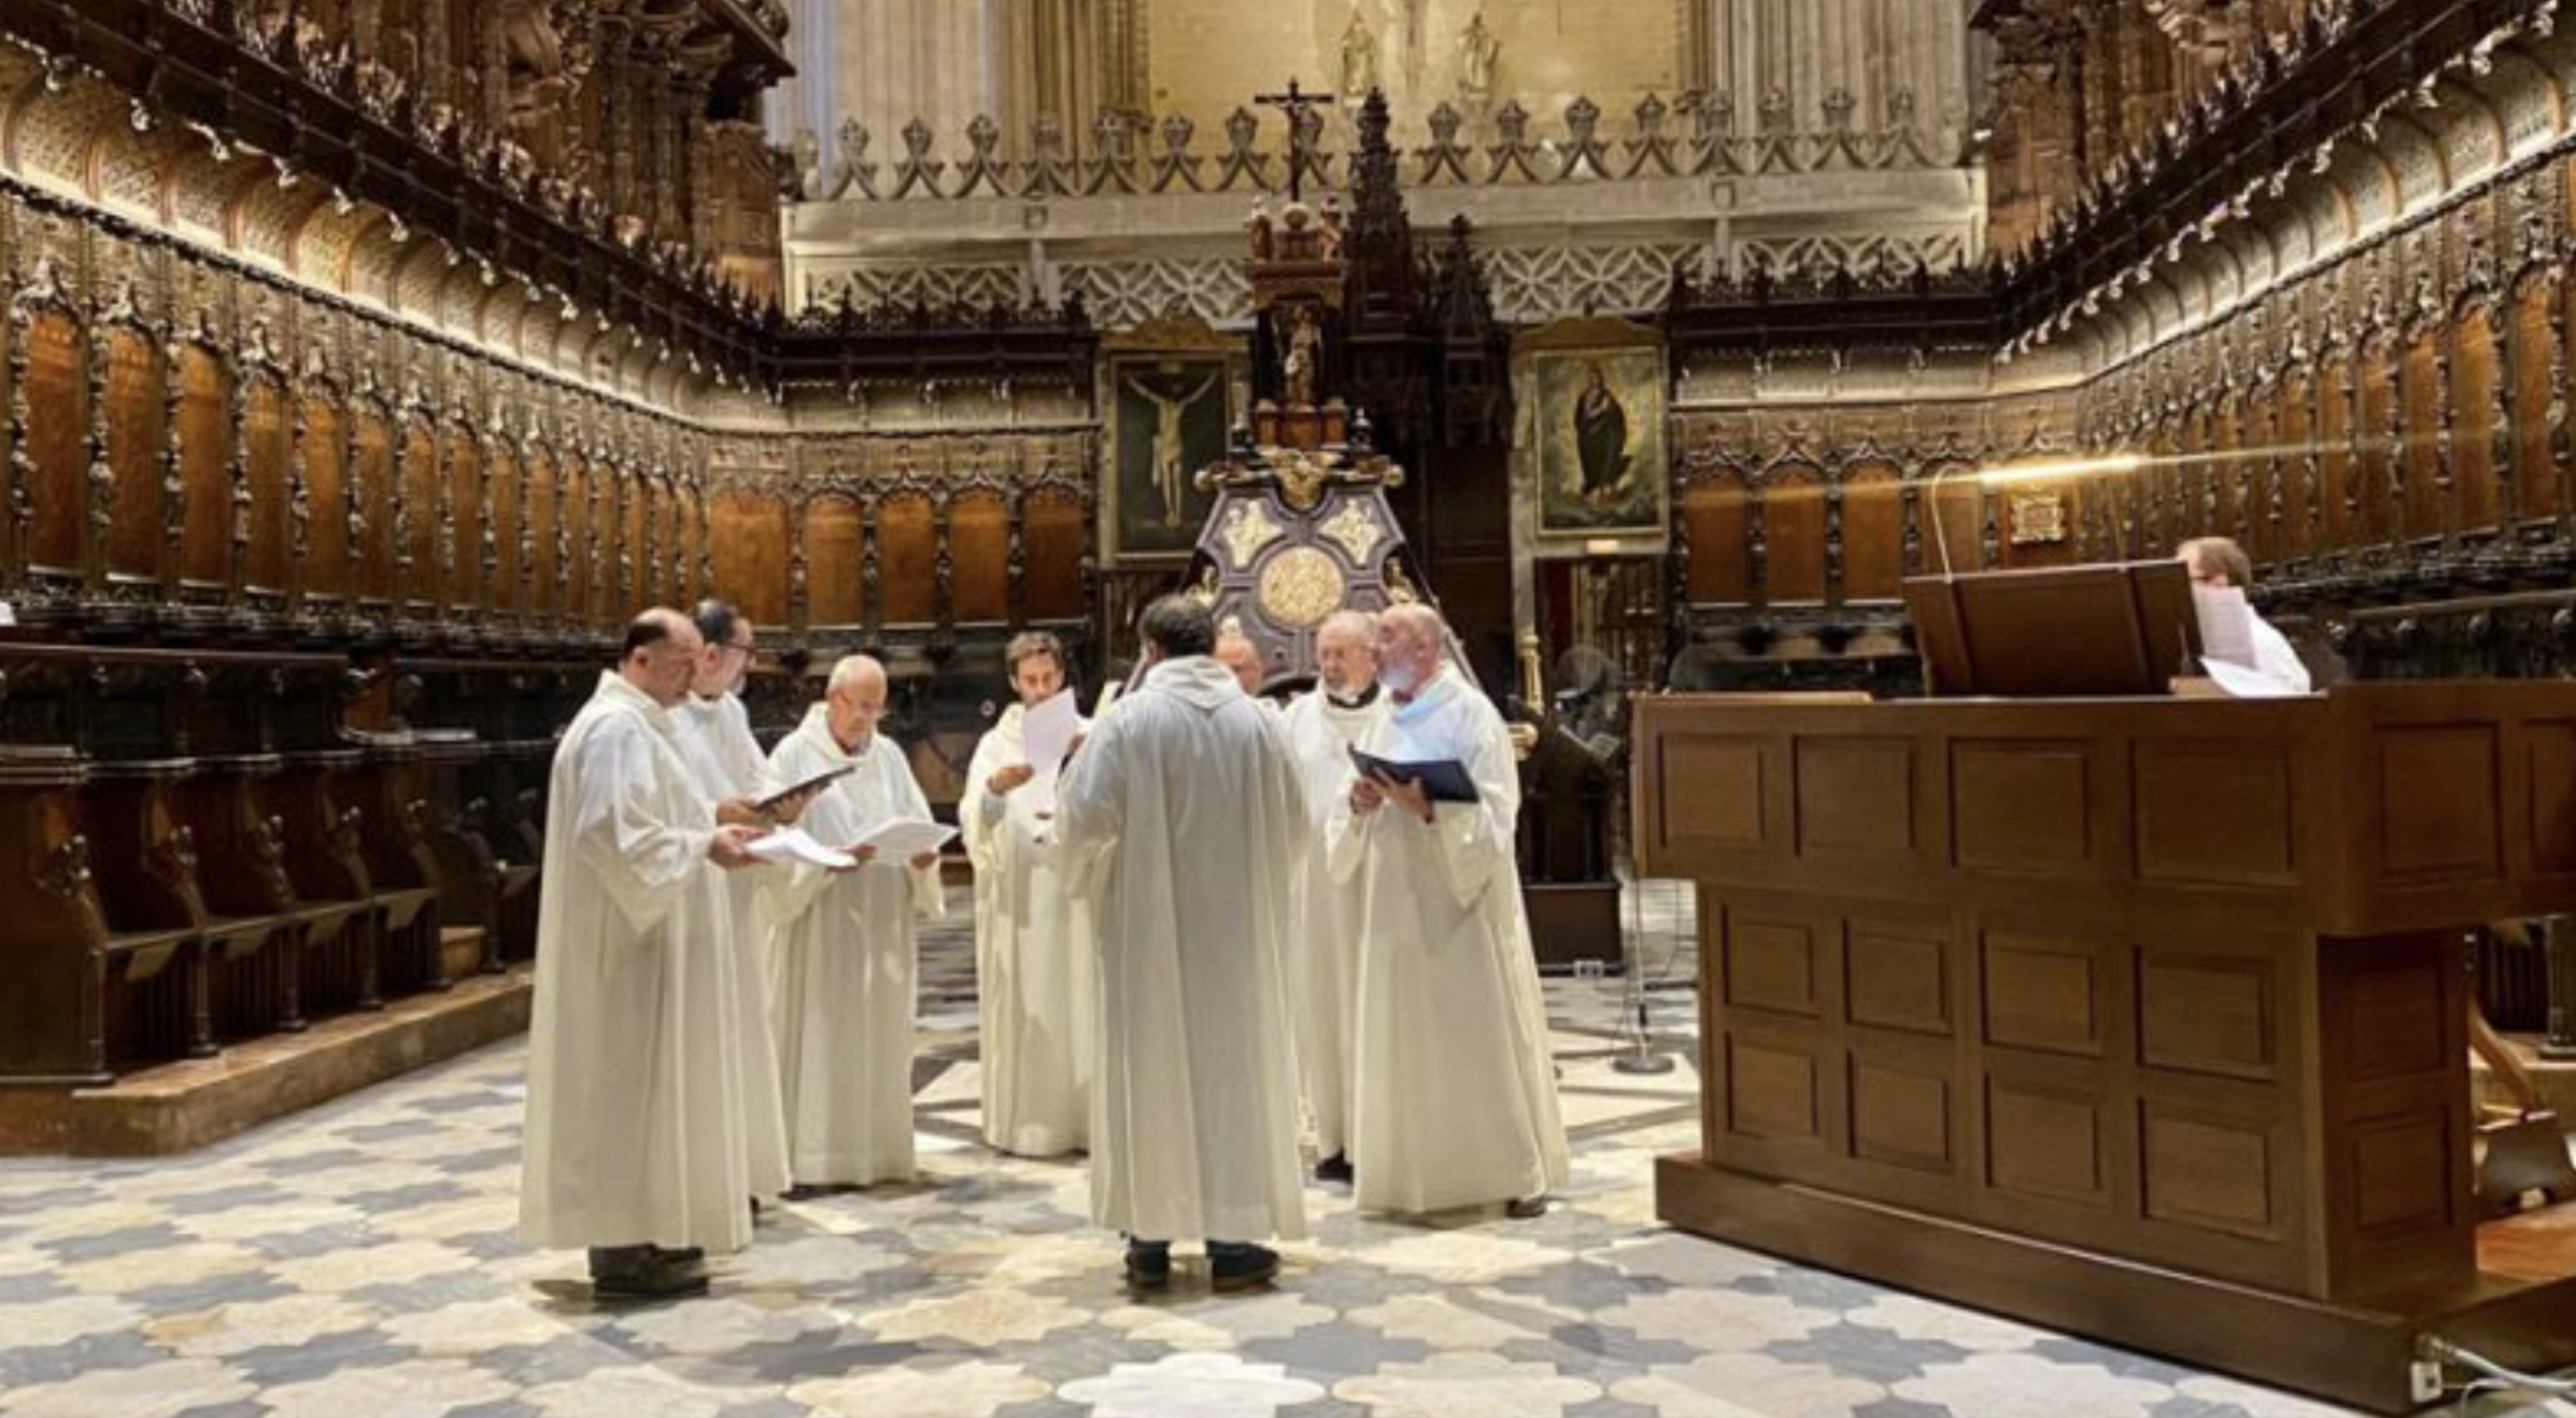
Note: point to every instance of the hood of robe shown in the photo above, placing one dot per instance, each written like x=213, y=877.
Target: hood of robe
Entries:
x=817, y=731
x=613, y=687
x=1196, y=680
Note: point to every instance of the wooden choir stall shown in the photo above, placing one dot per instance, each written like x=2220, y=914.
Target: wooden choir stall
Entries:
x=2140, y=1018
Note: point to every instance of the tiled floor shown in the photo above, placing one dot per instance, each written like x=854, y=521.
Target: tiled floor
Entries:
x=360, y=1262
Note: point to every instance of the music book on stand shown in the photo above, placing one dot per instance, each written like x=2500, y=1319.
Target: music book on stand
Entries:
x=2105, y=630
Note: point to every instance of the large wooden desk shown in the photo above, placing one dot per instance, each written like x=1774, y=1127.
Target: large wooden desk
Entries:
x=2142, y=1019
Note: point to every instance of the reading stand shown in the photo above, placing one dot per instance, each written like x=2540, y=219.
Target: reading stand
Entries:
x=2125, y=628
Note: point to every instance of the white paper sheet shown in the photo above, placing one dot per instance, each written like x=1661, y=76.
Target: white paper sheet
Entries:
x=905, y=838
x=2241, y=682
x=795, y=844
x=2226, y=624
x=1047, y=729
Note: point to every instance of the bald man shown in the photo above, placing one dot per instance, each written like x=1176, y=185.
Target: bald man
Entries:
x=1323, y=937
x=634, y=1137
x=1453, y=1092
x=843, y=945
x=1241, y=658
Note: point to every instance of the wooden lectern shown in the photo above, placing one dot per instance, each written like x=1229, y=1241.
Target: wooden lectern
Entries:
x=2139, y=1018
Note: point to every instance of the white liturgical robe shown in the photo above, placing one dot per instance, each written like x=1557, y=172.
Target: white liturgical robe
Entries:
x=2276, y=657
x=1035, y=975
x=1455, y=1096
x=1325, y=918
x=847, y=965
x=1184, y=813
x=715, y=738
x=634, y=1126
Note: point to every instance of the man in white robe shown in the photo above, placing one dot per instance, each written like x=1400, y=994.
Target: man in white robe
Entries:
x=1035, y=977
x=2219, y=562
x=1454, y=1098
x=634, y=1146
x=1325, y=918
x=714, y=732
x=1241, y=658
x=844, y=946
x=1186, y=819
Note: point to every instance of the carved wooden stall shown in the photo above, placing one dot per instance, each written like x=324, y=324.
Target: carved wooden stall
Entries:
x=2140, y=1018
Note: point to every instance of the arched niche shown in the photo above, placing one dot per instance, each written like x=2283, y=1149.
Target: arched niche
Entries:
x=979, y=550
x=138, y=386
x=2422, y=396
x=2476, y=392
x=907, y=559
x=56, y=372
x=638, y=498
x=540, y=512
x=1055, y=537
x=1793, y=535
x=267, y=448
x=574, y=496
x=465, y=517
x=834, y=597
x=421, y=480
x=371, y=465
x=1715, y=515
x=205, y=466
x=322, y=451
x=679, y=543
x=2540, y=493
x=751, y=553
x=1873, y=523
x=504, y=499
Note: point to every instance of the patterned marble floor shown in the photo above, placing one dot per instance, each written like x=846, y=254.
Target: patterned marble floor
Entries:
x=359, y=1262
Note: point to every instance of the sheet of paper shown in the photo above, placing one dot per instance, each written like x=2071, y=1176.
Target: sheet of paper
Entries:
x=905, y=838
x=2226, y=624
x=2240, y=682
x=795, y=844
x=1047, y=729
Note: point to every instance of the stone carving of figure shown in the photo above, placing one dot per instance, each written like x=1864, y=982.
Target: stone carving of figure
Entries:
x=1359, y=58
x=1168, y=457
x=1304, y=355
x=1477, y=52
x=1600, y=438
x=1257, y=230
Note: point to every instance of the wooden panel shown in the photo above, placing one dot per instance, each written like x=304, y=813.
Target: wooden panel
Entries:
x=2214, y=812
x=1720, y=534
x=2550, y=771
x=2440, y=804
x=57, y=441
x=374, y=469
x=1895, y=978
x=1956, y=540
x=1770, y=964
x=421, y=483
x=2298, y=464
x=266, y=446
x=2043, y=1142
x=677, y=537
x=2341, y=494
x=2208, y=1172
x=2399, y=1171
x=2395, y=1019
x=135, y=438
x=2043, y=993
x=979, y=550
x=1900, y=1116
x=2020, y=805
x=1855, y=795
x=2379, y=461
x=635, y=550
x=1055, y=537
x=2536, y=475
x=539, y=494
x=2423, y=394
x=502, y=496
x=326, y=493
x=907, y=552
x=2205, y=1013
x=1793, y=540
x=467, y=510
x=1873, y=536
x=751, y=554
x=1771, y=1092
x=2474, y=376
x=572, y=505
x=1713, y=792
x=833, y=592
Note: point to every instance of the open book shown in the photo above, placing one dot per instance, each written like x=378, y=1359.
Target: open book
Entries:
x=1445, y=780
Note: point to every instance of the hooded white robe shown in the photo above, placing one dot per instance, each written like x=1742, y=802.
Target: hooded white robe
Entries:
x=715, y=738
x=1454, y=1102
x=634, y=1125
x=1036, y=976
x=1184, y=816
x=1325, y=917
x=847, y=965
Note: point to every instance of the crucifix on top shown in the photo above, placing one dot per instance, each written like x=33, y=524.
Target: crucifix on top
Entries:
x=1303, y=126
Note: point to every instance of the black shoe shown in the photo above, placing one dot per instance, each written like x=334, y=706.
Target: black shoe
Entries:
x=641, y=1273
x=1149, y=1265
x=1233, y=1265
x=1336, y=1168
x=1526, y=1208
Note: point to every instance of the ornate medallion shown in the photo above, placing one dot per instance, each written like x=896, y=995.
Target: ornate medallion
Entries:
x=1248, y=528
x=1301, y=478
x=1356, y=530
x=2038, y=518
x=1300, y=587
